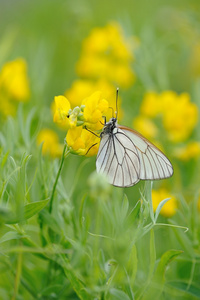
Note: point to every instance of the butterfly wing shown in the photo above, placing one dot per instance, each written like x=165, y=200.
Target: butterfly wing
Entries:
x=125, y=157
x=118, y=159
x=153, y=163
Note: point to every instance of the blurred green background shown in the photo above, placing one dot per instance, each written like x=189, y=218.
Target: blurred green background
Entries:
x=56, y=256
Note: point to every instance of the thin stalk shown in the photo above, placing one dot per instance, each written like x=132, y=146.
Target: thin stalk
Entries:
x=56, y=180
x=18, y=275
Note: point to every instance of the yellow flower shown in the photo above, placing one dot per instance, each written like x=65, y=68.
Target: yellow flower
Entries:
x=169, y=208
x=145, y=126
x=81, y=88
x=107, y=54
x=89, y=114
x=50, y=140
x=151, y=106
x=95, y=108
x=178, y=114
x=61, y=111
x=82, y=142
x=190, y=151
x=14, y=82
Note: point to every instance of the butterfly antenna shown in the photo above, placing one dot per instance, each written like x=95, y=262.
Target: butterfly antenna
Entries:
x=116, y=112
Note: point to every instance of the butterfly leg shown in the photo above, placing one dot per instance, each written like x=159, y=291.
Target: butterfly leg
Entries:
x=90, y=148
x=91, y=132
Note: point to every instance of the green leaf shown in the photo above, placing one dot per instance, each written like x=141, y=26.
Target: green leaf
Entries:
x=118, y=295
x=161, y=204
x=148, y=192
x=157, y=283
x=183, y=239
x=49, y=220
x=27, y=130
x=11, y=235
x=182, y=286
x=4, y=159
x=52, y=288
x=134, y=214
x=5, y=214
x=132, y=264
x=166, y=258
x=152, y=254
x=30, y=210
x=25, y=125
x=125, y=206
x=77, y=285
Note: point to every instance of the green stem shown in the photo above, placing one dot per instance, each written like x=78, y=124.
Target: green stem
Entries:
x=18, y=275
x=56, y=181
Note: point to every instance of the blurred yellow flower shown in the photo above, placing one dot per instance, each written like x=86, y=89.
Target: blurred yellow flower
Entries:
x=14, y=86
x=190, y=151
x=50, y=140
x=14, y=82
x=107, y=54
x=61, y=110
x=82, y=142
x=95, y=108
x=145, y=126
x=180, y=117
x=151, y=106
x=169, y=208
x=178, y=114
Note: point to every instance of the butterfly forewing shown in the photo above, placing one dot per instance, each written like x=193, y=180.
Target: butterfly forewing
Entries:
x=118, y=159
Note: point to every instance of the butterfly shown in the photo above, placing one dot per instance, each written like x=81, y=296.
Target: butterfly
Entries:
x=126, y=157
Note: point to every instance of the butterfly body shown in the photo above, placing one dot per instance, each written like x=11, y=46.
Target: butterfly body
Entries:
x=125, y=156
x=109, y=127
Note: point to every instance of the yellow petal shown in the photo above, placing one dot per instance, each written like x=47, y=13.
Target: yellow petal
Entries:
x=82, y=142
x=62, y=107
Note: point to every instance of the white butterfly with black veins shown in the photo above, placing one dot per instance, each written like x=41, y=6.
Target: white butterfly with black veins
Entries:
x=125, y=157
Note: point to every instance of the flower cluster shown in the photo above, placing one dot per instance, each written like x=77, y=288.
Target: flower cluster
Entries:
x=105, y=62
x=179, y=115
x=80, y=89
x=82, y=121
x=107, y=54
x=190, y=151
x=14, y=86
x=167, y=112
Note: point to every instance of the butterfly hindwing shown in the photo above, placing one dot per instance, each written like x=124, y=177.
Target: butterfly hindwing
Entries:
x=153, y=163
